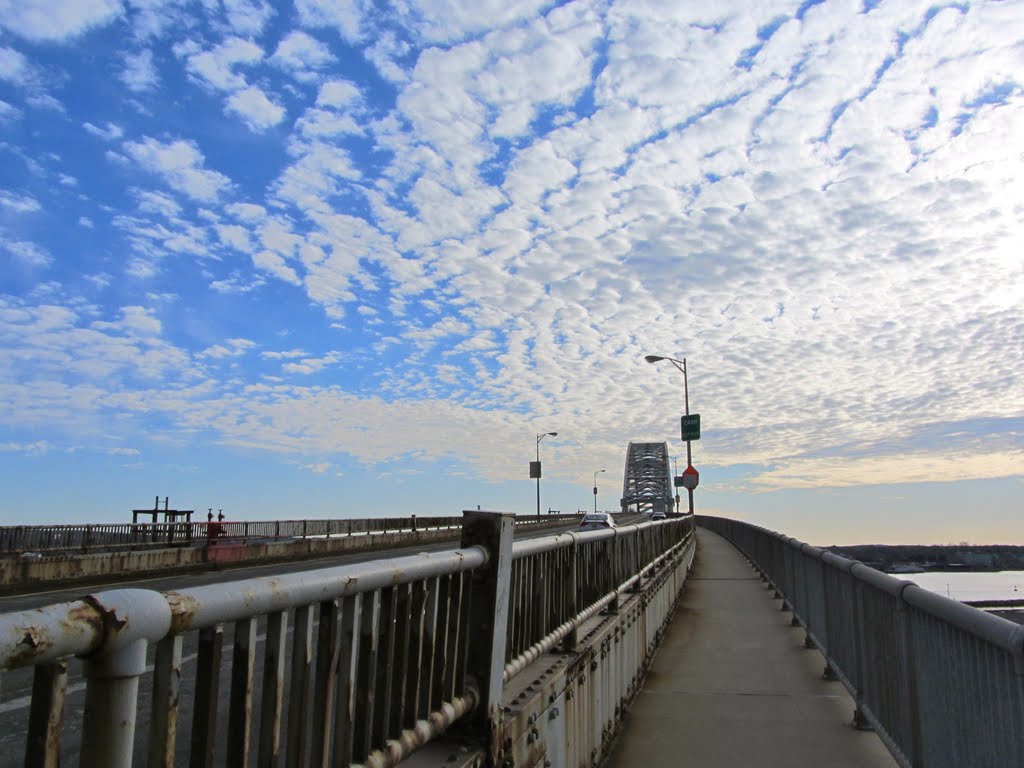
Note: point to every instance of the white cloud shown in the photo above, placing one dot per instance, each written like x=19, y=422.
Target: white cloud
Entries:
x=313, y=179
x=45, y=101
x=38, y=447
x=253, y=106
x=158, y=203
x=139, y=74
x=14, y=67
x=230, y=348
x=248, y=17
x=338, y=93
x=123, y=451
x=135, y=321
x=284, y=355
x=236, y=236
x=247, y=212
x=216, y=67
x=110, y=133
x=271, y=262
x=8, y=111
x=29, y=254
x=320, y=124
x=19, y=203
x=302, y=55
x=152, y=18
x=181, y=164
x=311, y=365
x=343, y=15
x=51, y=20
x=442, y=21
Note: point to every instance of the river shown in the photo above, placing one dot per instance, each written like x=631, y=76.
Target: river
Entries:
x=997, y=585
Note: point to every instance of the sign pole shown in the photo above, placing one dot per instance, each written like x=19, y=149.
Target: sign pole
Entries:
x=689, y=455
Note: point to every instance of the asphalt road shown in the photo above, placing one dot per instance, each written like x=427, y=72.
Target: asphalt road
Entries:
x=15, y=693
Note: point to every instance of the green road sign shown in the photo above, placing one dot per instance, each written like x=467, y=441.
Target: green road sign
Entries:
x=691, y=427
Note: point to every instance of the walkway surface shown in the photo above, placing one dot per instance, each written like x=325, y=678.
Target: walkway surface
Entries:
x=733, y=685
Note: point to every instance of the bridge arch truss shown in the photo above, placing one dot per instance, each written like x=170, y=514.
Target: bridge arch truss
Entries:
x=647, y=479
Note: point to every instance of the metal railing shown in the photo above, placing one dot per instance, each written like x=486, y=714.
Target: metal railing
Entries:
x=941, y=683
x=383, y=656
x=73, y=539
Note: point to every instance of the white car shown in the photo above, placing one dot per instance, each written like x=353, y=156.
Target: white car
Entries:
x=658, y=515
x=596, y=521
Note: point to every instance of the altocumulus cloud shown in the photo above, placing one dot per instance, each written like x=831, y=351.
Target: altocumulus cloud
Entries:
x=460, y=222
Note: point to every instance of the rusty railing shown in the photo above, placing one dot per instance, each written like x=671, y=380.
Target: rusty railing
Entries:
x=350, y=665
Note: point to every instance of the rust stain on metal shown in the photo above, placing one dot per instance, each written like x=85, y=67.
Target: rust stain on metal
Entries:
x=34, y=643
x=183, y=610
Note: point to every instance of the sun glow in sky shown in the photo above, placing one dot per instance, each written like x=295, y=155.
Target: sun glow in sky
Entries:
x=331, y=258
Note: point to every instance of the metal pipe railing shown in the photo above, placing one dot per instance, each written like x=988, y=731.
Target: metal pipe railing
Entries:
x=941, y=683
x=77, y=539
x=354, y=664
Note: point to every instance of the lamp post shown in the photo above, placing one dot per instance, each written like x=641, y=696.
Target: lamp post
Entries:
x=675, y=474
x=535, y=467
x=596, y=473
x=681, y=365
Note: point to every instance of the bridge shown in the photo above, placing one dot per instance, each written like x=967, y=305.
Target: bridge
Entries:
x=516, y=647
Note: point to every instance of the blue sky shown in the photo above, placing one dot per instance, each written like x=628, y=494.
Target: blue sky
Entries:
x=325, y=258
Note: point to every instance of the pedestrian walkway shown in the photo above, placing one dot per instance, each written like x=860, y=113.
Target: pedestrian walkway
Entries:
x=733, y=684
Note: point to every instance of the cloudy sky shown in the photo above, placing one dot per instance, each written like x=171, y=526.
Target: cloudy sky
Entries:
x=329, y=258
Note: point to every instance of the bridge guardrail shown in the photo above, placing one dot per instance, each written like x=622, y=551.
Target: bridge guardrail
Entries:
x=65, y=539
x=941, y=683
x=384, y=655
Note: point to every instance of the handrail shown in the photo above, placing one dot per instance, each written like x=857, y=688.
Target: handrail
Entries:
x=941, y=683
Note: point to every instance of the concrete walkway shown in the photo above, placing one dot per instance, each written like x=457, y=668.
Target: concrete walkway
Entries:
x=733, y=685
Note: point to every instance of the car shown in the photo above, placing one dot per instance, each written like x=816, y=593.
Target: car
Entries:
x=658, y=514
x=596, y=521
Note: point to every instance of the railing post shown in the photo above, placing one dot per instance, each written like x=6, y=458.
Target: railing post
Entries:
x=910, y=708
x=131, y=618
x=571, y=588
x=488, y=619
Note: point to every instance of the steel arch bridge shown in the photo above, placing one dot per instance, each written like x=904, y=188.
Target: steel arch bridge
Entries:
x=647, y=479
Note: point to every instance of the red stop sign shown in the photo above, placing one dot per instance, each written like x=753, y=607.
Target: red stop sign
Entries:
x=691, y=478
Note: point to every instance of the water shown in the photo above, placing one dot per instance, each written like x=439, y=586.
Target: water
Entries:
x=998, y=585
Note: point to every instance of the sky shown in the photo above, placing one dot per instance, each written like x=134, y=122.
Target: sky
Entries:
x=343, y=258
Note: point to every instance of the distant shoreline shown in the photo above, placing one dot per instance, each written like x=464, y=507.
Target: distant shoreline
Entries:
x=904, y=559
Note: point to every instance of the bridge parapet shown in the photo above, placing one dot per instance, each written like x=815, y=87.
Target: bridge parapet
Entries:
x=383, y=656
x=107, y=537
x=80, y=554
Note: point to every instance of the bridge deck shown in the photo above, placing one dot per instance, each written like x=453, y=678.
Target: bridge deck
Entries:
x=733, y=685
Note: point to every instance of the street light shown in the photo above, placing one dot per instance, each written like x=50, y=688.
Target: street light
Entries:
x=675, y=474
x=681, y=365
x=596, y=473
x=535, y=467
